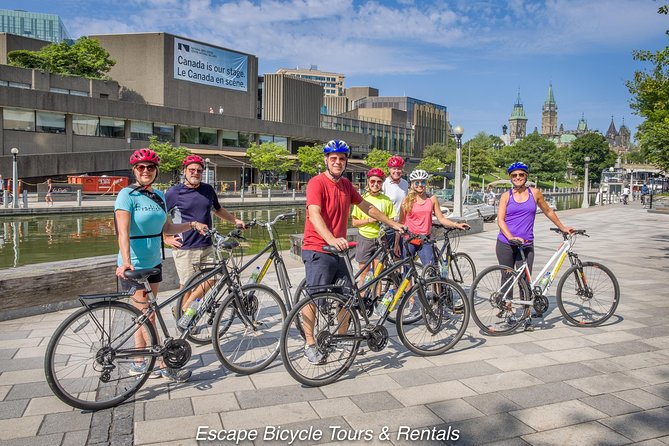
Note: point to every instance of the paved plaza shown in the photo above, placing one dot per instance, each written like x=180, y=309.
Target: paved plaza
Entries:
x=558, y=385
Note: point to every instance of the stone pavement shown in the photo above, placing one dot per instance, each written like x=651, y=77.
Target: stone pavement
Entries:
x=556, y=385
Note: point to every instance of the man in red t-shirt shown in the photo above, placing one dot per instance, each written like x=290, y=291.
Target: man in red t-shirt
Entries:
x=329, y=199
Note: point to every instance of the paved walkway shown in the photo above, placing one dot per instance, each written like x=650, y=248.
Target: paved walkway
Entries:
x=556, y=385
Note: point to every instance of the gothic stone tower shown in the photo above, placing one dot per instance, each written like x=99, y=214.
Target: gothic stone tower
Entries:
x=517, y=122
x=549, y=117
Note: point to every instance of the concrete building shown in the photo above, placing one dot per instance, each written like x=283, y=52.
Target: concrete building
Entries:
x=36, y=25
x=70, y=125
x=332, y=83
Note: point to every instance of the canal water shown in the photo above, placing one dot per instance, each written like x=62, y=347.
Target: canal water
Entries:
x=48, y=238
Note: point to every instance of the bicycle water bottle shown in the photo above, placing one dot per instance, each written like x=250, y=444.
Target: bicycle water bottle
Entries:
x=545, y=279
x=254, y=275
x=368, y=277
x=382, y=307
x=185, y=319
x=443, y=270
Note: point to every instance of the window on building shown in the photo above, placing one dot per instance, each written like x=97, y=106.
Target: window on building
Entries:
x=245, y=140
x=230, y=139
x=86, y=125
x=265, y=138
x=3, y=83
x=15, y=119
x=208, y=136
x=59, y=90
x=141, y=130
x=189, y=135
x=281, y=141
x=113, y=128
x=19, y=85
x=50, y=122
x=78, y=93
x=164, y=132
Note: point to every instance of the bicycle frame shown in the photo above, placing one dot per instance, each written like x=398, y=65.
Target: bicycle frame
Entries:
x=553, y=265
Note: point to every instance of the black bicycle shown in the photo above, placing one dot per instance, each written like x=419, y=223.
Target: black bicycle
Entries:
x=92, y=359
x=449, y=263
x=441, y=307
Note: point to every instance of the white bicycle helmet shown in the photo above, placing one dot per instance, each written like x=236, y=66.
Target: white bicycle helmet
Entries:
x=418, y=174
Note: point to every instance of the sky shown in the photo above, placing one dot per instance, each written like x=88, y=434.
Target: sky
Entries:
x=473, y=56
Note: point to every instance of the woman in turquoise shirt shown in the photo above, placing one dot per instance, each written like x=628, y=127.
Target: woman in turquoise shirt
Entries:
x=141, y=218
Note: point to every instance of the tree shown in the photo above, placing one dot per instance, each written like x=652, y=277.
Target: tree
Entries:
x=170, y=157
x=270, y=159
x=85, y=57
x=431, y=164
x=311, y=159
x=543, y=157
x=378, y=158
x=439, y=151
x=650, y=91
x=597, y=148
x=480, y=147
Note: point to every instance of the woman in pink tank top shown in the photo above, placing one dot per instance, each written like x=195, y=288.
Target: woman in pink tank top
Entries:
x=416, y=213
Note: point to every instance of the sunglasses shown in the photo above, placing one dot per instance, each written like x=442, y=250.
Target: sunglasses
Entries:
x=518, y=175
x=420, y=183
x=143, y=167
x=375, y=182
x=195, y=170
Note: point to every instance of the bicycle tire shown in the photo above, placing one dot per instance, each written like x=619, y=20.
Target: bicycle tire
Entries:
x=596, y=304
x=338, y=355
x=239, y=349
x=201, y=333
x=485, y=301
x=464, y=271
x=485, y=297
x=72, y=363
x=438, y=333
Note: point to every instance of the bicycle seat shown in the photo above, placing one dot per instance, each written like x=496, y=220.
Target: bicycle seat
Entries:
x=334, y=250
x=140, y=274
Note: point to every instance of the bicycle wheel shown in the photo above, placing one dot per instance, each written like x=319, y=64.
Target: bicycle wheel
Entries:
x=488, y=295
x=332, y=336
x=462, y=270
x=243, y=348
x=88, y=359
x=588, y=295
x=440, y=330
x=201, y=333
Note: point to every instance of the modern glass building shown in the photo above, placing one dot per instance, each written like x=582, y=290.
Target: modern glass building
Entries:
x=36, y=25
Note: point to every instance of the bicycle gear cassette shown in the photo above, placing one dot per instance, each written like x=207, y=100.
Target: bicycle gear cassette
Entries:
x=176, y=354
x=378, y=338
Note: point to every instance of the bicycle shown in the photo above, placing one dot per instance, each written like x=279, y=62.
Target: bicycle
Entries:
x=202, y=334
x=89, y=357
x=587, y=294
x=459, y=266
x=371, y=297
x=441, y=304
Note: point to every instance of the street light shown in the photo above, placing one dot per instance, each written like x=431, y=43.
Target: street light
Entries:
x=15, y=178
x=585, y=203
x=206, y=169
x=458, y=131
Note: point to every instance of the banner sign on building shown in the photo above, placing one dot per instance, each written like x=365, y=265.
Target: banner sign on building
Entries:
x=195, y=62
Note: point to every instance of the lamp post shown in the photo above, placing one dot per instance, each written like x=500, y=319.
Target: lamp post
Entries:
x=206, y=170
x=585, y=203
x=15, y=178
x=458, y=131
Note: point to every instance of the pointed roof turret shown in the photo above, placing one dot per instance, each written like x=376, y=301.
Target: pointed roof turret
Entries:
x=611, y=132
x=582, y=125
x=550, y=99
x=518, y=110
x=623, y=128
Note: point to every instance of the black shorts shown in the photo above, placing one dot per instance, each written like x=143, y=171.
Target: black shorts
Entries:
x=324, y=269
x=125, y=285
x=365, y=249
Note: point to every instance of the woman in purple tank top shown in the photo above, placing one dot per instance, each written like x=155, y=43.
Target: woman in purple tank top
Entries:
x=515, y=217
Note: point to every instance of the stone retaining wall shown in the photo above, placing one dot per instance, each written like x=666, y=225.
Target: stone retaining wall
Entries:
x=53, y=286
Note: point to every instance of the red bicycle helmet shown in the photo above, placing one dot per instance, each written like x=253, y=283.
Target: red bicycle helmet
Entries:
x=395, y=161
x=190, y=159
x=144, y=155
x=375, y=172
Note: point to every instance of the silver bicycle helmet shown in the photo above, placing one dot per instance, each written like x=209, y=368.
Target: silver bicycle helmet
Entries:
x=418, y=174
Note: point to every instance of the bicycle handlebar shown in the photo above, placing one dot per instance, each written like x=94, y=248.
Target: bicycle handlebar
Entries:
x=269, y=224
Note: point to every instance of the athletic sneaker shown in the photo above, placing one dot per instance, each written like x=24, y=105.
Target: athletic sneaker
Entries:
x=140, y=369
x=176, y=376
x=313, y=355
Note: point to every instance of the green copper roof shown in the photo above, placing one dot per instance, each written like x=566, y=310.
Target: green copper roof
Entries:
x=550, y=99
x=518, y=111
x=582, y=125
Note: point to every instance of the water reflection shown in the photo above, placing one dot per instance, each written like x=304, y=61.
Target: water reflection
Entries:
x=49, y=238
